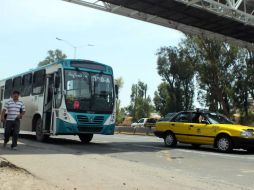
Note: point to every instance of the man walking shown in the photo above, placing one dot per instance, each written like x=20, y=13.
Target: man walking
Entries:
x=15, y=109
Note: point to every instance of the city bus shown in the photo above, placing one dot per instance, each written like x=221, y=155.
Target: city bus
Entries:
x=69, y=97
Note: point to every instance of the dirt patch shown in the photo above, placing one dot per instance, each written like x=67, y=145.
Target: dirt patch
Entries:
x=13, y=177
x=6, y=164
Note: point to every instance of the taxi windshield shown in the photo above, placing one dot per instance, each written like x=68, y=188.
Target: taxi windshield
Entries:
x=216, y=118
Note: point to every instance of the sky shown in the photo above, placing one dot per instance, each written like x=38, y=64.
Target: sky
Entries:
x=29, y=29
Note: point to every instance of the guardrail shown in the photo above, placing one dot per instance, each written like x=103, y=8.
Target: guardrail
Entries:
x=135, y=130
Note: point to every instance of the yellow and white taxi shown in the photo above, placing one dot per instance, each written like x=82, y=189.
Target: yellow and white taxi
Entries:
x=205, y=128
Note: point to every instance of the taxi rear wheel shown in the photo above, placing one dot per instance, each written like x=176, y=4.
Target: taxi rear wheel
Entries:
x=224, y=144
x=170, y=140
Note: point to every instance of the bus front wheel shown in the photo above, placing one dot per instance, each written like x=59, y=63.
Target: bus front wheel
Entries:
x=39, y=131
x=85, y=138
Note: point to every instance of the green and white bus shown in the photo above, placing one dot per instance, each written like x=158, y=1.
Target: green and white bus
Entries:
x=70, y=97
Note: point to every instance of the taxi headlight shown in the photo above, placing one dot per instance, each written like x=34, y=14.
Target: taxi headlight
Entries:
x=246, y=133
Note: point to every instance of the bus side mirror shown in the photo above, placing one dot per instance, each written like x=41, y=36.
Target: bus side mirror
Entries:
x=117, y=90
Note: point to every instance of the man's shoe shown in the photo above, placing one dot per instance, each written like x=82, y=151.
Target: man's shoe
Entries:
x=14, y=148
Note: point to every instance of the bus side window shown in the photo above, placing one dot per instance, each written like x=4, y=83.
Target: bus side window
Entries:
x=1, y=97
x=38, y=82
x=26, y=85
x=1, y=93
x=17, y=84
x=8, y=89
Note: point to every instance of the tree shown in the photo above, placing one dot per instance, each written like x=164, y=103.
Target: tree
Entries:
x=53, y=56
x=140, y=105
x=162, y=99
x=250, y=71
x=243, y=84
x=120, y=112
x=119, y=82
x=215, y=61
x=176, y=67
x=224, y=74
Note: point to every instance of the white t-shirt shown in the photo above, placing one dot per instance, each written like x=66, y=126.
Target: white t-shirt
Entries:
x=13, y=109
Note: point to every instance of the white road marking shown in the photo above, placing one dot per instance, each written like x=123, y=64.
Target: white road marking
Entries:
x=247, y=171
x=147, y=146
x=181, y=150
x=98, y=141
x=136, y=138
x=216, y=154
x=197, y=152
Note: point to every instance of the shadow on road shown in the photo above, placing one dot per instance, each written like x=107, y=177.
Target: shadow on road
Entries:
x=29, y=145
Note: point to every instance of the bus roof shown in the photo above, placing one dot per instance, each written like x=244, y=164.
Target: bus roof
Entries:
x=61, y=62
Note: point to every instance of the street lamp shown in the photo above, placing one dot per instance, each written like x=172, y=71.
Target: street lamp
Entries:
x=74, y=47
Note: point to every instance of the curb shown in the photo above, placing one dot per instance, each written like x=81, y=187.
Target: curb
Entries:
x=144, y=131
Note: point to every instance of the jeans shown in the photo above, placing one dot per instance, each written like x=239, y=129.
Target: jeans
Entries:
x=11, y=127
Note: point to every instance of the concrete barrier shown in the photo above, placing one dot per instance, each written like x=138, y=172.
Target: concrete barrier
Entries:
x=135, y=130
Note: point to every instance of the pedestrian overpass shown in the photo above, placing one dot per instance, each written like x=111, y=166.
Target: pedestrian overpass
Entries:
x=226, y=20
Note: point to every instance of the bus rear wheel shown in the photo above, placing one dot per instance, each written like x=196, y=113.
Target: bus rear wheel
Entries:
x=39, y=131
x=85, y=138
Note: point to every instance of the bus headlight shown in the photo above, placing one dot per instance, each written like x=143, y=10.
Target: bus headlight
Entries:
x=67, y=117
x=113, y=118
x=246, y=133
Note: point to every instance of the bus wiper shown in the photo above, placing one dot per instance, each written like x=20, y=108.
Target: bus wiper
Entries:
x=84, y=99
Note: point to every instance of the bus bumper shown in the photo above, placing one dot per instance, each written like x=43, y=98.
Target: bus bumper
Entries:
x=65, y=128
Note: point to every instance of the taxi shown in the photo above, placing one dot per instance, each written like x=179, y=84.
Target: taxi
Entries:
x=205, y=128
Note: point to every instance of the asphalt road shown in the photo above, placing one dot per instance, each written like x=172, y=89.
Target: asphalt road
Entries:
x=184, y=163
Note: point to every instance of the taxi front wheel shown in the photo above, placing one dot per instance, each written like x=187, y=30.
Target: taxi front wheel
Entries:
x=224, y=144
x=170, y=140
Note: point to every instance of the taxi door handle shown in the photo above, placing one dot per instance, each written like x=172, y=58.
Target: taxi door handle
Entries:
x=191, y=126
x=173, y=124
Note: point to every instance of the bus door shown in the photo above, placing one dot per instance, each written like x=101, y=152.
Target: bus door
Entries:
x=52, y=101
x=48, y=103
x=57, y=99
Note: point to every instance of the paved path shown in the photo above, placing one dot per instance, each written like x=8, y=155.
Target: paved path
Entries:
x=131, y=162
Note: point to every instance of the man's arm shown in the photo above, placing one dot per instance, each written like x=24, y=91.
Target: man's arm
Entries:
x=5, y=108
x=2, y=115
x=22, y=111
x=21, y=114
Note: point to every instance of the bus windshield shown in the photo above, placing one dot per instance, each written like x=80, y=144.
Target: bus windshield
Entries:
x=89, y=92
